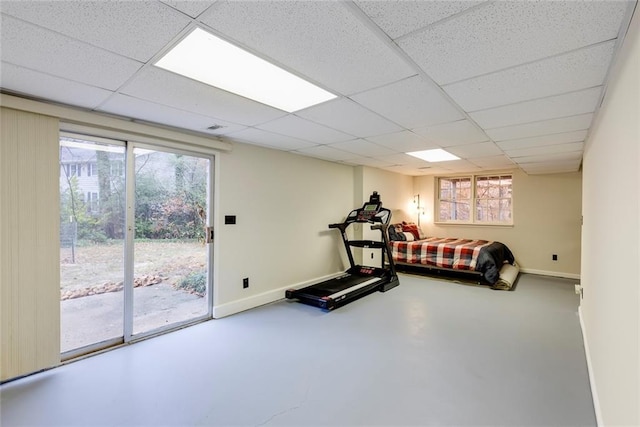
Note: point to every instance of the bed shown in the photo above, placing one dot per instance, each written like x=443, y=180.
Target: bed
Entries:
x=486, y=262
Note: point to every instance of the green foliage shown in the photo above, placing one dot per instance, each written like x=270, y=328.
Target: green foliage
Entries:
x=170, y=196
x=171, y=213
x=195, y=283
x=74, y=209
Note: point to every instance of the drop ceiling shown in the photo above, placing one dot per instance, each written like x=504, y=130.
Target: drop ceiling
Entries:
x=502, y=85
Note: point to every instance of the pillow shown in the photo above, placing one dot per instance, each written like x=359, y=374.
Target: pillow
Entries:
x=395, y=232
x=409, y=237
x=411, y=227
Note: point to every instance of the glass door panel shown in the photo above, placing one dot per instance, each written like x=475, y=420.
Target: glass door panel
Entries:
x=170, y=256
x=92, y=200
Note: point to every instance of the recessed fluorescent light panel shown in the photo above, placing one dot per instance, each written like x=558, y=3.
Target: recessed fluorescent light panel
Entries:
x=204, y=57
x=436, y=155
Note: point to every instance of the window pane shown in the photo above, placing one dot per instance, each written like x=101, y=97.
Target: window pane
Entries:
x=481, y=209
x=455, y=199
x=505, y=187
x=493, y=198
x=445, y=211
x=170, y=215
x=91, y=245
x=505, y=210
x=494, y=210
x=464, y=189
x=462, y=211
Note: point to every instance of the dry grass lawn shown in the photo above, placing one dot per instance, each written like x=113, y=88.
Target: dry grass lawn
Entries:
x=103, y=264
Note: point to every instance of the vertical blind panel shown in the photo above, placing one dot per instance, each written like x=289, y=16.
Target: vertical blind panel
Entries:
x=29, y=252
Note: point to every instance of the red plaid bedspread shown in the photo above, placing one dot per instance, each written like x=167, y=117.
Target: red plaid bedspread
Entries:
x=459, y=254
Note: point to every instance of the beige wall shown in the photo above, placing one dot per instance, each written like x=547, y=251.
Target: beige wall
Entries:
x=284, y=204
x=547, y=215
x=395, y=191
x=29, y=249
x=610, y=310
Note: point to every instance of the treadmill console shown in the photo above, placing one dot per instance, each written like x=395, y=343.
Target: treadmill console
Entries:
x=371, y=211
x=368, y=211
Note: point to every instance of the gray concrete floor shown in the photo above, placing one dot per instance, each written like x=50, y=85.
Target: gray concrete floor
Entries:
x=428, y=352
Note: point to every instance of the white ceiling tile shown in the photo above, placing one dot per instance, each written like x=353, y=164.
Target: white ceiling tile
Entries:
x=403, y=141
x=369, y=161
x=401, y=170
x=161, y=114
x=162, y=87
x=569, y=104
x=349, y=117
x=412, y=102
x=455, y=133
x=326, y=152
x=493, y=162
x=544, y=140
x=322, y=40
x=508, y=33
x=41, y=50
x=399, y=17
x=433, y=169
x=552, y=157
x=268, y=139
x=415, y=171
x=136, y=29
x=300, y=128
x=459, y=166
x=39, y=85
x=545, y=150
x=363, y=148
x=404, y=159
x=573, y=71
x=193, y=8
x=544, y=127
x=562, y=166
x=479, y=149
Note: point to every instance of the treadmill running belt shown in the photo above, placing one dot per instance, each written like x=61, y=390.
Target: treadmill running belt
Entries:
x=334, y=285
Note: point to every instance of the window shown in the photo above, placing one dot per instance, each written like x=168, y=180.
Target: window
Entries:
x=92, y=202
x=485, y=199
x=455, y=199
x=117, y=168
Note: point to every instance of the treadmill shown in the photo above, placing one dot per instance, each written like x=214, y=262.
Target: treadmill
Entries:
x=358, y=280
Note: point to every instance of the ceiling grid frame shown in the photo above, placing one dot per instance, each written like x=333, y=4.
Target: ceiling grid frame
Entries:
x=146, y=96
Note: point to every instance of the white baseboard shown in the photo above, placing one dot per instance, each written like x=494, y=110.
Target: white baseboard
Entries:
x=592, y=383
x=550, y=273
x=253, y=301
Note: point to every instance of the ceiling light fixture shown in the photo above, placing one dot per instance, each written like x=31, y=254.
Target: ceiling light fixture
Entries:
x=204, y=57
x=436, y=155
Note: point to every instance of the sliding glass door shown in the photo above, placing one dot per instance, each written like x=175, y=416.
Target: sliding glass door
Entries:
x=170, y=255
x=134, y=259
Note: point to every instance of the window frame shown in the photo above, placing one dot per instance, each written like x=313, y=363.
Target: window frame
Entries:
x=472, y=201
